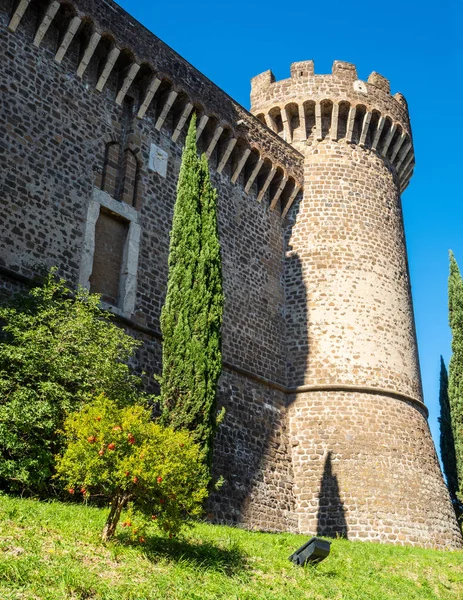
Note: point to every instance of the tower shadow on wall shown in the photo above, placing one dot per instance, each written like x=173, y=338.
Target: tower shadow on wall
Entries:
x=252, y=449
x=296, y=309
x=331, y=521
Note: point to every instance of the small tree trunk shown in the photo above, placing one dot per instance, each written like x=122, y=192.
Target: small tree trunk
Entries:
x=117, y=505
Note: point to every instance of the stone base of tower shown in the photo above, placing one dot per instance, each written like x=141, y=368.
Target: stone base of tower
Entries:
x=365, y=468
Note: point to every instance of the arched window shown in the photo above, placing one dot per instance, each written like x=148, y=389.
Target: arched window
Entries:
x=120, y=174
x=112, y=237
x=130, y=178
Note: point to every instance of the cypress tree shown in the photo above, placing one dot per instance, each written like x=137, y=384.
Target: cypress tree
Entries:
x=456, y=366
x=447, y=443
x=192, y=314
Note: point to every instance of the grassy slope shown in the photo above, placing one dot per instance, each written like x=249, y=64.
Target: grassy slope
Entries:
x=53, y=551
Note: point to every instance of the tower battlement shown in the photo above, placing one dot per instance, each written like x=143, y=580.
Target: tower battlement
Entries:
x=342, y=74
x=308, y=107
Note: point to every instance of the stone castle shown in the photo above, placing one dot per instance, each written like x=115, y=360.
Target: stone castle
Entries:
x=325, y=429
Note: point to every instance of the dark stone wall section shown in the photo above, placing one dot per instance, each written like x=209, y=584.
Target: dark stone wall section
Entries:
x=54, y=130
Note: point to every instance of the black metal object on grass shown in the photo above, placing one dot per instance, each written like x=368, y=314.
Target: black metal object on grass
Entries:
x=313, y=551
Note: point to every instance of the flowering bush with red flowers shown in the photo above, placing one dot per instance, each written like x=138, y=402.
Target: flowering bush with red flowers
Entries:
x=155, y=474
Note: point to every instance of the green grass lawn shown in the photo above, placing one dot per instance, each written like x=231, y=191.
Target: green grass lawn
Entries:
x=51, y=551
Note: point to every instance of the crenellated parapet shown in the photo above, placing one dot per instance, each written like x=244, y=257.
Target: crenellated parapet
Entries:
x=166, y=90
x=308, y=108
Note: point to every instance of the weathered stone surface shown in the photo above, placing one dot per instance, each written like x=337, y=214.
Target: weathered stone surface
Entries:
x=325, y=429
x=363, y=458
x=365, y=466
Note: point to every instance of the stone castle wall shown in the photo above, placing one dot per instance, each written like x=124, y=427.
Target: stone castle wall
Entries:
x=93, y=119
x=348, y=236
x=54, y=130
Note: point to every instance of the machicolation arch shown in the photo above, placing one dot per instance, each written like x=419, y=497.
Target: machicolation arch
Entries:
x=157, y=95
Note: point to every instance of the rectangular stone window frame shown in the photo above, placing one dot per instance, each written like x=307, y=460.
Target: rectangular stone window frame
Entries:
x=128, y=275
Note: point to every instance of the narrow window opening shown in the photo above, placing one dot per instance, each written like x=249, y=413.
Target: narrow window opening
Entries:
x=111, y=168
x=110, y=238
x=309, y=112
x=130, y=178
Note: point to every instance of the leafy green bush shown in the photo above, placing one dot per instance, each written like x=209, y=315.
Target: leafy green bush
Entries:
x=57, y=351
x=121, y=454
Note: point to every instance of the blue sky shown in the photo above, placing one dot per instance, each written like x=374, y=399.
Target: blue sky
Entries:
x=415, y=44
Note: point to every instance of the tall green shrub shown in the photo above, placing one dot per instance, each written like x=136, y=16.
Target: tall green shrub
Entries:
x=57, y=350
x=456, y=365
x=192, y=314
x=447, y=443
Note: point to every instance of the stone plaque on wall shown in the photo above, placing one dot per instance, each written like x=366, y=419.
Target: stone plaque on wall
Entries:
x=158, y=160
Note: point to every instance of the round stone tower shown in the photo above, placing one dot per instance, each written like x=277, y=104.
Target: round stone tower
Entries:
x=363, y=458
